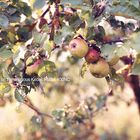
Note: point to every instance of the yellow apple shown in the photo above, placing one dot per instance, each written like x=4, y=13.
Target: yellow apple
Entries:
x=78, y=47
x=100, y=69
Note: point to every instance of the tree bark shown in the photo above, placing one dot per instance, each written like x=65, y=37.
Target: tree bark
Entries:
x=135, y=84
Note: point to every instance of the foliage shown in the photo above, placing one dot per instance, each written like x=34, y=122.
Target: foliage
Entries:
x=35, y=34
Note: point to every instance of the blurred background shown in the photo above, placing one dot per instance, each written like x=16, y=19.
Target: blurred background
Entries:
x=118, y=118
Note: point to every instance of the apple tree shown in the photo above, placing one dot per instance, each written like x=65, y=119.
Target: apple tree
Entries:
x=101, y=37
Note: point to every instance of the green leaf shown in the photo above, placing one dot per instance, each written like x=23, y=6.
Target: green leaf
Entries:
x=24, y=34
x=36, y=122
x=63, y=35
x=135, y=3
x=134, y=41
x=15, y=17
x=15, y=1
x=72, y=60
x=75, y=21
x=58, y=114
x=101, y=101
x=3, y=5
x=134, y=11
x=19, y=95
x=38, y=4
x=136, y=69
x=4, y=22
x=123, y=50
x=136, y=66
x=11, y=9
x=24, y=8
x=4, y=53
x=87, y=16
x=48, y=45
x=58, y=38
x=11, y=37
x=37, y=37
x=29, y=61
x=83, y=69
x=72, y=2
x=115, y=78
x=127, y=8
x=83, y=32
x=108, y=51
x=90, y=33
x=4, y=87
x=48, y=69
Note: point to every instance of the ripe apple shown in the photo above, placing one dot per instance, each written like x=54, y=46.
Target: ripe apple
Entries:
x=34, y=67
x=99, y=69
x=78, y=47
x=92, y=55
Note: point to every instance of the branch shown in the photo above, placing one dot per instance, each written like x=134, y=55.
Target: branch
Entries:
x=45, y=12
x=135, y=84
x=28, y=103
x=133, y=80
x=32, y=26
x=46, y=132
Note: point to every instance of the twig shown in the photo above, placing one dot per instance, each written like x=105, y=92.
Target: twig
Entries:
x=45, y=131
x=45, y=12
x=28, y=102
x=32, y=26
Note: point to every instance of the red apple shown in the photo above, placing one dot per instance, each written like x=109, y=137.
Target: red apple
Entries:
x=92, y=56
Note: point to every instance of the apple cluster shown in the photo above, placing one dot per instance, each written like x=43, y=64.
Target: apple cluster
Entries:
x=98, y=66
